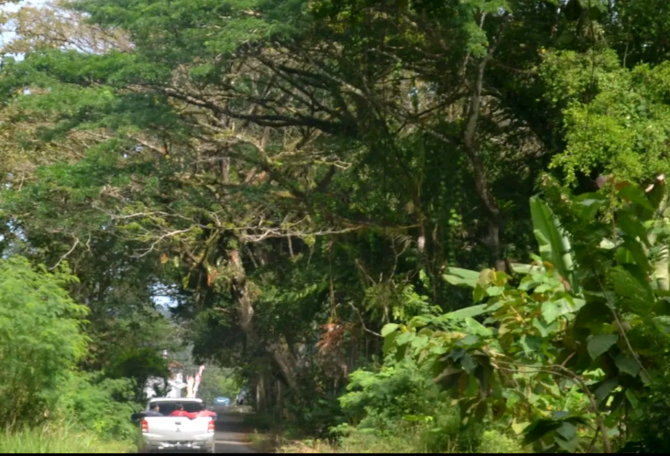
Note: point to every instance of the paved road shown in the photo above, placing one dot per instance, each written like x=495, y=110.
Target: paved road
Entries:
x=232, y=436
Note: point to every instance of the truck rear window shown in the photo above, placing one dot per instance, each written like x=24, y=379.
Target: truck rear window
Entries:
x=168, y=407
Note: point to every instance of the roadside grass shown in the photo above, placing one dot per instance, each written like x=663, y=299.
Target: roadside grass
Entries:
x=270, y=437
x=367, y=442
x=265, y=442
x=58, y=439
x=492, y=442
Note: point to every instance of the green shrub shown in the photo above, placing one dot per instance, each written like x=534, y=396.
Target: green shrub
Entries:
x=494, y=441
x=314, y=416
x=378, y=400
x=99, y=405
x=40, y=339
x=40, y=343
x=368, y=442
x=446, y=434
x=400, y=409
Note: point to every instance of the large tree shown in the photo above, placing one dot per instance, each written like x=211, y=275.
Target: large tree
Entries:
x=295, y=164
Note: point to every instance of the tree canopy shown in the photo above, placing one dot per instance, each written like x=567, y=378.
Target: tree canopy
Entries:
x=307, y=176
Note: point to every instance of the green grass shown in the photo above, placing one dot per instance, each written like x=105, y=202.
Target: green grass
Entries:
x=59, y=439
x=361, y=442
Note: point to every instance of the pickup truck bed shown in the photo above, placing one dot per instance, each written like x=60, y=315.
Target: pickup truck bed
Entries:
x=177, y=432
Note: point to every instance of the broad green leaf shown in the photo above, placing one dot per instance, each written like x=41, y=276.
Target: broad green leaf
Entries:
x=520, y=268
x=457, y=354
x=543, y=288
x=389, y=341
x=627, y=364
x=495, y=291
x=468, y=363
x=586, y=205
x=607, y=244
x=567, y=437
x=405, y=337
x=538, y=429
x=578, y=303
x=605, y=388
x=551, y=310
x=472, y=311
x=637, y=252
x=426, y=332
x=600, y=343
x=477, y=328
x=636, y=195
x=457, y=276
x=419, y=342
x=479, y=293
x=389, y=328
x=655, y=196
x=554, y=244
x=530, y=344
x=629, y=286
x=540, y=326
x=645, y=377
x=632, y=400
x=418, y=322
x=569, y=446
x=470, y=340
x=632, y=226
x=519, y=428
x=486, y=277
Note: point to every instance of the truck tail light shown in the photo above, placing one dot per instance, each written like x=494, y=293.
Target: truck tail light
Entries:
x=145, y=426
x=210, y=426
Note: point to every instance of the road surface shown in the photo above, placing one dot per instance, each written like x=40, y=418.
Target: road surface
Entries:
x=232, y=436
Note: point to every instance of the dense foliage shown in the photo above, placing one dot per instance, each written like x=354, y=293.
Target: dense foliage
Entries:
x=313, y=181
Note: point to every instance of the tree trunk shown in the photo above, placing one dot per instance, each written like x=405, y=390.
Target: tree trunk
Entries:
x=279, y=351
x=482, y=185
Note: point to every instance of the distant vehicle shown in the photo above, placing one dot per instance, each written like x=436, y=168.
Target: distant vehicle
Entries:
x=194, y=431
x=222, y=401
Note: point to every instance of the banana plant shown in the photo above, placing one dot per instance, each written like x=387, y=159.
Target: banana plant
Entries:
x=554, y=247
x=644, y=235
x=659, y=232
x=650, y=207
x=553, y=242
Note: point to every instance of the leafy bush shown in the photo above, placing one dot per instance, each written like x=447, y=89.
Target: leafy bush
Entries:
x=650, y=423
x=40, y=339
x=313, y=414
x=563, y=351
x=400, y=409
x=40, y=343
x=99, y=405
x=378, y=400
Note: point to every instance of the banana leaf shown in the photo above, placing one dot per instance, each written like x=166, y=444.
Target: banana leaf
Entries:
x=553, y=241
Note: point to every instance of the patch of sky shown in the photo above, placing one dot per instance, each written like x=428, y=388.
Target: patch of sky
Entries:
x=164, y=295
x=7, y=32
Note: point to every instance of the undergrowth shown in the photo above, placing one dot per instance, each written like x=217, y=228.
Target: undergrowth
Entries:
x=394, y=408
x=58, y=439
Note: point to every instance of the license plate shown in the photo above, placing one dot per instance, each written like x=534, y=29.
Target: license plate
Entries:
x=177, y=444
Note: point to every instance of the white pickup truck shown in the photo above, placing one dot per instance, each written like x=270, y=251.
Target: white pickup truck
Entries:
x=183, y=433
